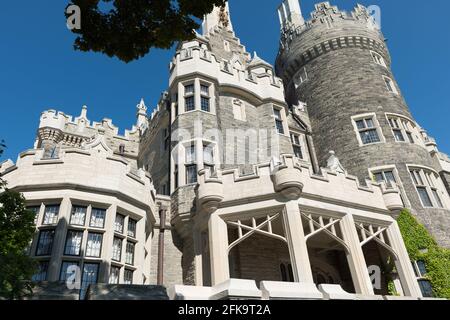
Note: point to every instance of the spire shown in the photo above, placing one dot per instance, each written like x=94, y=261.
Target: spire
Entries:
x=219, y=17
x=142, y=120
x=290, y=14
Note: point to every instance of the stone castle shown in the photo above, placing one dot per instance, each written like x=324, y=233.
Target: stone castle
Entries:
x=247, y=180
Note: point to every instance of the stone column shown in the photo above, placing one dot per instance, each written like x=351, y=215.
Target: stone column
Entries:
x=218, y=242
x=355, y=257
x=403, y=263
x=298, y=249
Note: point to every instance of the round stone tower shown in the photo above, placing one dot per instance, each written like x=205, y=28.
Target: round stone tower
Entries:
x=339, y=65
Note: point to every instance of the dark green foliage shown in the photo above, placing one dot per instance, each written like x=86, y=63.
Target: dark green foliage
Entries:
x=421, y=246
x=132, y=27
x=16, y=232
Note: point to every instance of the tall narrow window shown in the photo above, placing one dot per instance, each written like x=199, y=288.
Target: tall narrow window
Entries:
x=117, y=249
x=208, y=156
x=118, y=224
x=301, y=77
x=390, y=85
x=421, y=187
x=114, y=275
x=78, y=216
x=296, y=145
x=68, y=270
x=205, y=97
x=278, y=121
x=368, y=132
x=190, y=153
x=35, y=210
x=42, y=271
x=421, y=272
x=98, y=218
x=94, y=245
x=189, y=97
x=51, y=215
x=378, y=59
x=397, y=129
x=45, y=243
x=175, y=177
x=73, y=243
x=132, y=228
x=191, y=166
x=128, y=277
x=90, y=276
x=402, y=129
x=129, y=253
x=191, y=174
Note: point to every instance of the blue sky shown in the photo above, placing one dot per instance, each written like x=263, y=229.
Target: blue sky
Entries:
x=39, y=69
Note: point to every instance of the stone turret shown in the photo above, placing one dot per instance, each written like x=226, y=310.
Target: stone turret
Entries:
x=338, y=64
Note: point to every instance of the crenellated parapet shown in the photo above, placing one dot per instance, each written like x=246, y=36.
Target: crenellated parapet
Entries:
x=290, y=179
x=58, y=131
x=251, y=74
x=327, y=30
x=94, y=168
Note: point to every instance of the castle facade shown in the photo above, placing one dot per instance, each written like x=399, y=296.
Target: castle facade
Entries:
x=247, y=180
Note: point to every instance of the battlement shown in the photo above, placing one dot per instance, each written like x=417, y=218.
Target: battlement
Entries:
x=292, y=179
x=58, y=131
x=256, y=76
x=328, y=22
x=81, y=125
x=88, y=169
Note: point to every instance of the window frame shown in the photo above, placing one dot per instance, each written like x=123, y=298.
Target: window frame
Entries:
x=125, y=276
x=79, y=232
x=281, y=120
x=133, y=253
x=74, y=206
x=376, y=126
x=110, y=274
x=119, y=215
x=422, y=277
x=61, y=269
x=39, y=271
x=55, y=218
x=50, y=251
x=135, y=222
x=429, y=180
x=406, y=126
x=113, y=258
x=391, y=87
x=378, y=58
x=101, y=245
x=96, y=209
x=300, y=144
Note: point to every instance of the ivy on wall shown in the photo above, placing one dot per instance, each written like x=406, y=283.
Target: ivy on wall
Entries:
x=421, y=246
